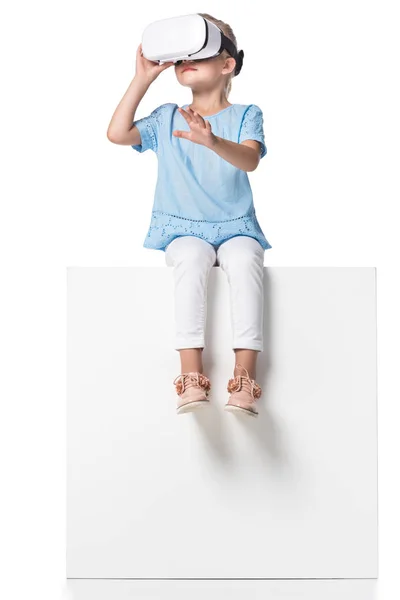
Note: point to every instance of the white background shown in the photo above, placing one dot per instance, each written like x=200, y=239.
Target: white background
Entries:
x=326, y=77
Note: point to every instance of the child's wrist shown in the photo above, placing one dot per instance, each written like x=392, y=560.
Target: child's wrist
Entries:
x=142, y=81
x=215, y=140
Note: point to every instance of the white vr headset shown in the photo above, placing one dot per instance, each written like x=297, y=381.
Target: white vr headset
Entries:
x=189, y=37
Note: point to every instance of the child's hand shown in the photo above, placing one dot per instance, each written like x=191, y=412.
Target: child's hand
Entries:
x=147, y=69
x=200, y=130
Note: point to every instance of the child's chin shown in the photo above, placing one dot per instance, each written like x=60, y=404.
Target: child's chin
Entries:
x=196, y=86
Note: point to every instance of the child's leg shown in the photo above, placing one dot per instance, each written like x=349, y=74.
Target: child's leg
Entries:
x=248, y=359
x=192, y=259
x=191, y=360
x=242, y=259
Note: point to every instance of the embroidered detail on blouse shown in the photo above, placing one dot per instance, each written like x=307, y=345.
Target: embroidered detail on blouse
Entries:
x=165, y=227
x=150, y=125
x=152, y=135
x=252, y=127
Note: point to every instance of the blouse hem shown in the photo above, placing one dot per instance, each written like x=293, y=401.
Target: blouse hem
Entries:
x=165, y=227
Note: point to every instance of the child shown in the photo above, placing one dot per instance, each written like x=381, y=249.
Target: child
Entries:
x=203, y=213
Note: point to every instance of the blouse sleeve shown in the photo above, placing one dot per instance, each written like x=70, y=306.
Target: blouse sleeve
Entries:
x=252, y=127
x=149, y=128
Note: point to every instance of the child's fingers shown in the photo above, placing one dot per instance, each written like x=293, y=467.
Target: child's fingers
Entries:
x=193, y=114
x=166, y=66
x=197, y=118
x=180, y=134
x=185, y=114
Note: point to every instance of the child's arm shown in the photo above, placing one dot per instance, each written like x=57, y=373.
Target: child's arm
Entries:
x=246, y=159
x=120, y=129
x=244, y=154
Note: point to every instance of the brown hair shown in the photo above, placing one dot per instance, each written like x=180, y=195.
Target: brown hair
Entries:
x=227, y=30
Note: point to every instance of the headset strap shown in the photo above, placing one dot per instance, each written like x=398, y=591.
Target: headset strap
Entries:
x=229, y=46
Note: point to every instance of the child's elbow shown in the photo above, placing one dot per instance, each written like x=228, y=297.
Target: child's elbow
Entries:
x=112, y=137
x=256, y=163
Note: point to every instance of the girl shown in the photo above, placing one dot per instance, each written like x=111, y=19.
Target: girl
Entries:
x=203, y=213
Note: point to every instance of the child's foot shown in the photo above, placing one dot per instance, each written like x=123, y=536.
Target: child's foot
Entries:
x=244, y=393
x=192, y=389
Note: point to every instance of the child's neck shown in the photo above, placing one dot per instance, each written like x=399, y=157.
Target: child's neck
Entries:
x=209, y=104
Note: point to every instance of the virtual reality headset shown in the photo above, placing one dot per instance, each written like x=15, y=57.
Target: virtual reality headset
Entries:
x=189, y=37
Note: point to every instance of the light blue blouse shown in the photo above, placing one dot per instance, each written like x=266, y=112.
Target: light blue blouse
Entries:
x=198, y=192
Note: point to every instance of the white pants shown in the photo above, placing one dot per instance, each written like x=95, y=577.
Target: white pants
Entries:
x=242, y=259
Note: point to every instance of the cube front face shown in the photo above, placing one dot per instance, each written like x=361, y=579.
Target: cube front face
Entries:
x=292, y=494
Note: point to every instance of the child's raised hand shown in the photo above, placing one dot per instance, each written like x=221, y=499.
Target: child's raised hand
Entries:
x=200, y=130
x=147, y=69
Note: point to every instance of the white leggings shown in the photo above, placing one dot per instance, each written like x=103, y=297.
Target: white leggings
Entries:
x=242, y=259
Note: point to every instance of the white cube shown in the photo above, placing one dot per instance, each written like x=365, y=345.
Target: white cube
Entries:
x=153, y=494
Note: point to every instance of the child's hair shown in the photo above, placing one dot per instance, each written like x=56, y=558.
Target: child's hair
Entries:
x=227, y=30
